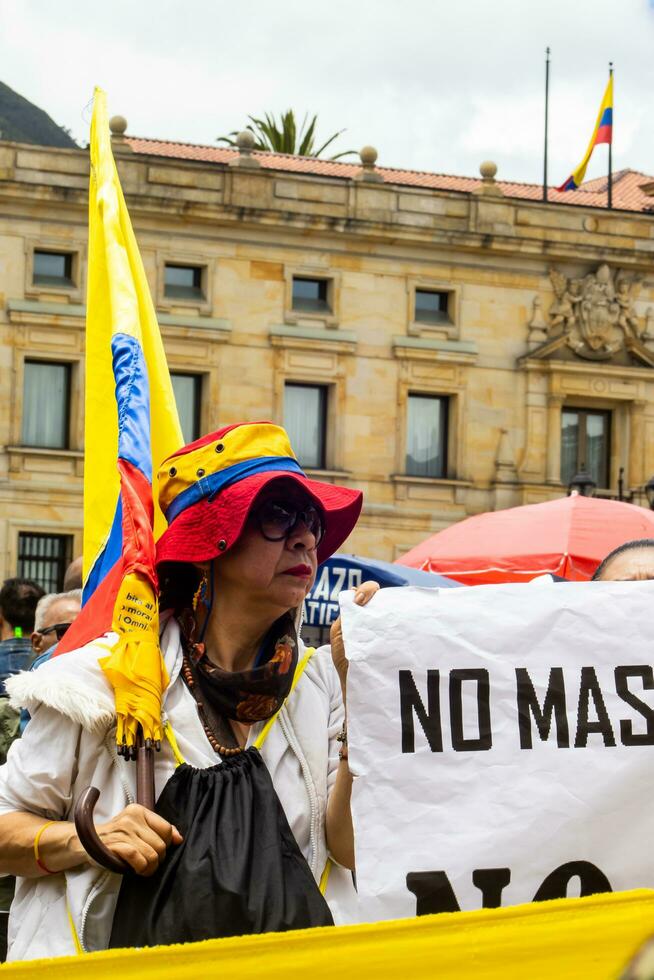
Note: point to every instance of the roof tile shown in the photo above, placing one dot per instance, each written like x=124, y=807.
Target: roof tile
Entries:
x=627, y=192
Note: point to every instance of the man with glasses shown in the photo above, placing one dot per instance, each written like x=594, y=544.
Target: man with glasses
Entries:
x=47, y=623
x=54, y=614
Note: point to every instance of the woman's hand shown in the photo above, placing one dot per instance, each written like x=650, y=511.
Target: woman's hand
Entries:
x=140, y=837
x=362, y=596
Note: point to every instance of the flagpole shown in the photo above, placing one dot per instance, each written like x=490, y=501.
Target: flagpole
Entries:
x=610, y=182
x=547, y=96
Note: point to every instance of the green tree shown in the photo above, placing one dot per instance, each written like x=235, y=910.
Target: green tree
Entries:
x=282, y=136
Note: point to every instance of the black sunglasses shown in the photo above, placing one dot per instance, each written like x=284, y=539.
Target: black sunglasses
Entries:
x=277, y=520
x=58, y=628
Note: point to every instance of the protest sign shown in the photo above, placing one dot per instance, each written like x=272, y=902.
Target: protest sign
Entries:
x=502, y=742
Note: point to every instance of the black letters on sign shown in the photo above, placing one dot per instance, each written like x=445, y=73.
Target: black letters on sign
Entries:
x=591, y=880
x=491, y=882
x=433, y=892
x=553, y=704
x=590, y=686
x=627, y=734
x=430, y=720
x=484, y=739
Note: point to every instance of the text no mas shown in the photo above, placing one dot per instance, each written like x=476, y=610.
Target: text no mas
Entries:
x=541, y=710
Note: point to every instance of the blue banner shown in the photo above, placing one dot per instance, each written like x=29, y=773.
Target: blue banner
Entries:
x=342, y=572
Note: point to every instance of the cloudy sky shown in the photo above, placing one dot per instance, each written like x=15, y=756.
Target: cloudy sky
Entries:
x=435, y=85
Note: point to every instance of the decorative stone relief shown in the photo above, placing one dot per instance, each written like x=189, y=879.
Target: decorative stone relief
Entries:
x=595, y=314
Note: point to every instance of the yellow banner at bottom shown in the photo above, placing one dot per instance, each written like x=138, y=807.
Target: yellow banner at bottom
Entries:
x=567, y=939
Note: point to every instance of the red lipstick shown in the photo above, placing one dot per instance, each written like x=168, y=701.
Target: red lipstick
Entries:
x=300, y=571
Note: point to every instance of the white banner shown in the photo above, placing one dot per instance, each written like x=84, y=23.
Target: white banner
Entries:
x=501, y=737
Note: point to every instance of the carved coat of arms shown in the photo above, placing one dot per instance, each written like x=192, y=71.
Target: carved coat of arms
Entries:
x=595, y=313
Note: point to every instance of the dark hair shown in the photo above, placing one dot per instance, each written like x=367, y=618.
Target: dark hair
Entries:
x=18, y=599
x=627, y=546
x=178, y=583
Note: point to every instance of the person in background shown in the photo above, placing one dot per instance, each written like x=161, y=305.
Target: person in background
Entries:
x=18, y=600
x=54, y=614
x=633, y=561
x=73, y=575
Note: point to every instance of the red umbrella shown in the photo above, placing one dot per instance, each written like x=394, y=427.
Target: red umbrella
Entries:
x=567, y=537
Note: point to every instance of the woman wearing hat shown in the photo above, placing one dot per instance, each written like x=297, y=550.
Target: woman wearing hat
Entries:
x=246, y=530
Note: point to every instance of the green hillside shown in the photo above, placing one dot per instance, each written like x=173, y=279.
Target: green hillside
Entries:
x=24, y=122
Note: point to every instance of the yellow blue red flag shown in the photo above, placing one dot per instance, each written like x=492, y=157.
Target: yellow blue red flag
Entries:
x=131, y=425
x=603, y=133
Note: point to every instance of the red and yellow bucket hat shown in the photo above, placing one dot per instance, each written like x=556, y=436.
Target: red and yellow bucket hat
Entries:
x=207, y=489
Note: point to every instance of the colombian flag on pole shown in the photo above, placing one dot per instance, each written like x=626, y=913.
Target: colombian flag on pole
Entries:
x=603, y=133
x=131, y=424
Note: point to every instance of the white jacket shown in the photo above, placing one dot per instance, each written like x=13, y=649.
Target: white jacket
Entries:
x=69, y=745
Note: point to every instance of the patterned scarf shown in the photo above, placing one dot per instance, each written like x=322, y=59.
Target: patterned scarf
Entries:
x=245, y=695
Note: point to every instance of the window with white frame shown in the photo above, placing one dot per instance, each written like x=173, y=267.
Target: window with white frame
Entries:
x=426, y=435
x=305, y=420
x=188, y=392
x=46, y=405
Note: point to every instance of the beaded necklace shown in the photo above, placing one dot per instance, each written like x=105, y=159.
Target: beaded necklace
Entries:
x=219, y=749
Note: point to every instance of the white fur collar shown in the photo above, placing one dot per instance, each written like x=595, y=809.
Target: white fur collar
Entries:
x=75, y=686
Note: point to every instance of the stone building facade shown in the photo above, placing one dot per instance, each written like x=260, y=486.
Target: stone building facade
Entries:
x=449, y=345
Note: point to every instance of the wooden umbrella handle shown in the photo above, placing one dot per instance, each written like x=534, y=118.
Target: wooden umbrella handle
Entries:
x=144, y=772
x=84, y=823
x=89, y=836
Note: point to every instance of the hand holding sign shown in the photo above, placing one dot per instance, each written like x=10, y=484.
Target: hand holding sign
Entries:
x=362, y=596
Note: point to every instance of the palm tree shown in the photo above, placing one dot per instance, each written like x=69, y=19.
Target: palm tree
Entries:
x=283, y=136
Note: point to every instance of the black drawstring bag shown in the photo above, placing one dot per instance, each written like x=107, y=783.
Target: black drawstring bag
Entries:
x=238, y=871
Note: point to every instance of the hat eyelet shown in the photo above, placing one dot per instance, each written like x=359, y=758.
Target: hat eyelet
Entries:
x=222, y=544
x=220, y=447
x=172, y=471
x=200, y=472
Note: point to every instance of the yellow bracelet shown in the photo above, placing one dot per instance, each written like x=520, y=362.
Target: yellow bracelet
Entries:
x=37, y=858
